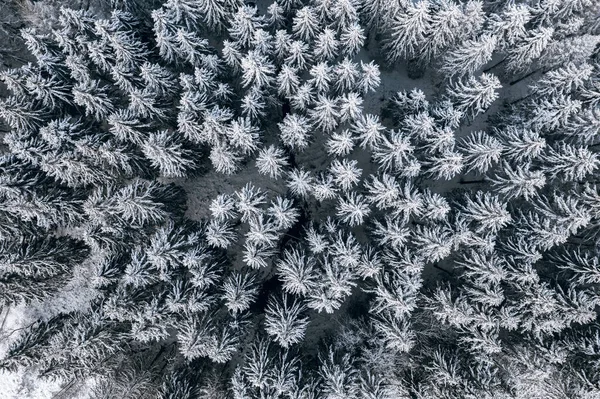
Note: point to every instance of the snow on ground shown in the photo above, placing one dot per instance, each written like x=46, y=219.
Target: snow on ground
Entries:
x=21, y=384
x=24, y=383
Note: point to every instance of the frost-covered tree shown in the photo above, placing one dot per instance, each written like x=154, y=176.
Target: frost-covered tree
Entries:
x=522, y=144
x=370, y=78
x=433, y=243
x=340, y=144
x=276, y=15
x=294, y=131
x=249, y=198
x=447, y=165
x=375, y=12
x=407, y=27
x=447, y=27
x=222, y=207
x=137, y=204
x=239, y=291
x=353, y=209
x=262, y=231
x=287, y=81
x=577, y=49
x=257, y=70
x=486, y=211
x=166, y=154
x=284, y=320
x=320, y=77
x=283, y=212
x=298, y=55
x=33, y=267
x=469, y=56
x=509, y=25
x=253, y=104
x=475, y=95
x=435, y=206
x=351, y=106
x=244, y=23
x=420, y=125
x=219, y=234
x=299, y=182
x=368, y=129
x=563, y=81
x=224, y=159
x=584, y=127
x=392, y=232
x=383, y=191
x=346, y=74
x=514, y=182
x=94, y=98
x=525, y=51
x=303, y=97
x=553, y=113
x=326, y=45
x=109, y=275
x=340, y=377
x=298, y=272
x=305, y=23
x=570, y=162
x=345, y=173
x=352, y=39
x=393, y=153
x=481, y=151
x=325, y=114
x=243, y=135
x=271, y=161
x=323, y=187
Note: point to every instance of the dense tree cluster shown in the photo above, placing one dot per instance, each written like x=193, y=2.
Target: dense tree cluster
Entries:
x=436, y=244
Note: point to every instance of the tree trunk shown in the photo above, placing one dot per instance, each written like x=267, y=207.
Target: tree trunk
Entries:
x=5, y=317
x=520, y=99
x=514, y=82
x=541, y=70
x=463, y=181
x=435, y=265
x=486, y=70
x=64, y=389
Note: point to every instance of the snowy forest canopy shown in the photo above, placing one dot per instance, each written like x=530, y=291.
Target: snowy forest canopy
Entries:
x=300, y=199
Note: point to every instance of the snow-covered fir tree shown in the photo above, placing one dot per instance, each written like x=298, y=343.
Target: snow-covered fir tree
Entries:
x=302, y=200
